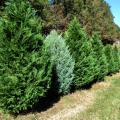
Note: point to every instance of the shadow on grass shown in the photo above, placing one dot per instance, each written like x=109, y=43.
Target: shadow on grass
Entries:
x=42, y=105
x=47, y=102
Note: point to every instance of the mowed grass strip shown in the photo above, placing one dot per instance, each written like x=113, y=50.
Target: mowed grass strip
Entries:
x=107, y=103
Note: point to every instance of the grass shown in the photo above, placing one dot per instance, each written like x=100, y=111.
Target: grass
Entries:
x=106, y=106
x=100, y=102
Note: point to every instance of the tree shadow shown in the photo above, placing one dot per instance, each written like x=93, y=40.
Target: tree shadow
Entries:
x=87, y=86
x=45, y=103
x=48, y=101
x=52, y=95
x=42, y=105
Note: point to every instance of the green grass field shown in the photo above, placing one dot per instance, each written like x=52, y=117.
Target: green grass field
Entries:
x=106, y=106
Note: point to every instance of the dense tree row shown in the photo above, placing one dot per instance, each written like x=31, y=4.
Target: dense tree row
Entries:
x=32, y=63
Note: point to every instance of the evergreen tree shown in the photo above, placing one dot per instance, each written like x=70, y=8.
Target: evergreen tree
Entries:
x=98, y=49
x=119, y=55
x=62, y=60
x=81, y=51
x=25, y=70
x=110, y=59
x=116, y=58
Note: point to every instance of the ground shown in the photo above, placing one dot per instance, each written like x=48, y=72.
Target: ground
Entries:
x=100, y=102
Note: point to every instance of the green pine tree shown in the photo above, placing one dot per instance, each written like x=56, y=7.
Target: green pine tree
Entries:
x=110, y=59
x=116, y=58
x=99, y=51
x=119, y=56
x=25, y=70
x=81, y=51
x=62, y=60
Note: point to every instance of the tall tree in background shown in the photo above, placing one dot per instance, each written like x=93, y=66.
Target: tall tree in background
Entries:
x=94, y=16
x=40, y=5
x=68, y=6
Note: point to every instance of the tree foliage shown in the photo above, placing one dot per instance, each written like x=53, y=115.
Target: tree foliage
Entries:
x=110, y=58
x=39, y=5
x=25, y=70
x=94, y=16
x=81, y=51
x=62, y=61
x=116, y=58
x=99, y=52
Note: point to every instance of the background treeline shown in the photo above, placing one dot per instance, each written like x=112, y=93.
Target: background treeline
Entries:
x=31, y=63
x=93, y=15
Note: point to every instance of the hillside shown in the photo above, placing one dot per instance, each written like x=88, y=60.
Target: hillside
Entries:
x=94, y=15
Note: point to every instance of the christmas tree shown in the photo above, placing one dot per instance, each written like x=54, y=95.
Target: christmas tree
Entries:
x=81, y=50
x=25, y=70
x=99, y=51
x=62, y=61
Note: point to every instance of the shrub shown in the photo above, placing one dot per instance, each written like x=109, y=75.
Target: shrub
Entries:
x=116, y=58
x=110, y=59
x=81, y=51
x=25, y=70
x=99, y=51
x=119, y=56
x=62, y=60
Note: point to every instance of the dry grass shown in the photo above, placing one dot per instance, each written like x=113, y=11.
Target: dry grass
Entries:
x=113, y=76
x=74, y=104
x=106, y=105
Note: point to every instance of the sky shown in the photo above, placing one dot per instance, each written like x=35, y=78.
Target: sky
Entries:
x=115, y=8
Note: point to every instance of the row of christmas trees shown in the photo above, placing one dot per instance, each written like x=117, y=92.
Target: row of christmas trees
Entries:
x=31, y=63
